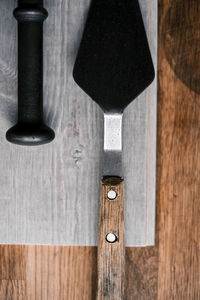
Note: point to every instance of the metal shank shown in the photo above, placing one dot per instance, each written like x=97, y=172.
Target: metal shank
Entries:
x=112, y=163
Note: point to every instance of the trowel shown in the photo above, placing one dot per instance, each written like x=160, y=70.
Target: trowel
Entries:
x=113, y=66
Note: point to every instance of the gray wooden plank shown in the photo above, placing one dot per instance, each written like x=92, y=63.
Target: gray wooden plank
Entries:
x=50, y=194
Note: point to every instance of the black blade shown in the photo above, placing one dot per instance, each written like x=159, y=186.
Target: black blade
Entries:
x=114, y=64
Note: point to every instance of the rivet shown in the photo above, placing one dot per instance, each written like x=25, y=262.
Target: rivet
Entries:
x=111, y=238
x=111, y=195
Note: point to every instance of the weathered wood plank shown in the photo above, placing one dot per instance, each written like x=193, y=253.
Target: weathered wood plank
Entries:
x=50, y=194
x=12, y=290
x=141, y=273
x=59, y=273
x=179, y=151
x=12, y=262
x=54, y=272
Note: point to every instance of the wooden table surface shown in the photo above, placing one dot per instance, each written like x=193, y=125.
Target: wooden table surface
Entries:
x=171, y=269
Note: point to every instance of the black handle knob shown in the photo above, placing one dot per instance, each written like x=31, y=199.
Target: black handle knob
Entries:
x=30, y=129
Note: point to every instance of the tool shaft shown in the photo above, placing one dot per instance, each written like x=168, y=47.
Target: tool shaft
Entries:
x=112, y=163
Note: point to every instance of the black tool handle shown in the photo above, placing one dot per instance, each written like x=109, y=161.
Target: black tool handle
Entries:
x=30, y=129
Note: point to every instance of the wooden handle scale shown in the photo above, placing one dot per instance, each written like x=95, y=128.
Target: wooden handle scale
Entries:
x=111, y=250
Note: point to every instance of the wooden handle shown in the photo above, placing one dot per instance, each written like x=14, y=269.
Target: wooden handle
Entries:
x=111, y=255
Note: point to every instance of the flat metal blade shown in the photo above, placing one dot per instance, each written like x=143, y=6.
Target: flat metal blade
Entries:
x=114, y=64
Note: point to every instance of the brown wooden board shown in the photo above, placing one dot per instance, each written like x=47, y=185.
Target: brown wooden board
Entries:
x=171, y=269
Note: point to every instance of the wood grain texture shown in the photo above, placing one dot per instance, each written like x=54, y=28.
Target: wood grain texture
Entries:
x=50, y=193
x=178, y=171
x=13, y=273
x=60, y=273
x=141, y=273
x=111, y=256
x=13, y=262
x=12, y=289
x=170, y=270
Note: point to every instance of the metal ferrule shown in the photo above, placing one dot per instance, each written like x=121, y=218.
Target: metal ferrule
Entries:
x=112, y=164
